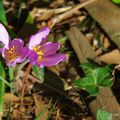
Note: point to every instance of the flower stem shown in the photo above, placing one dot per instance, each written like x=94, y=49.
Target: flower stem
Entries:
x=25, y=84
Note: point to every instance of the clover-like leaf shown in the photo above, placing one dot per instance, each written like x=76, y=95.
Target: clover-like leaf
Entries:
x=95, y=77
x=104, y=115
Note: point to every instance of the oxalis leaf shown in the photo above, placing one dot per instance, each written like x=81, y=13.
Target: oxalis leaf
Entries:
x=95, y=77
x=104, y=115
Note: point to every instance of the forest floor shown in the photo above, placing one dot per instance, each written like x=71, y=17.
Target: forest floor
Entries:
x=88, y=31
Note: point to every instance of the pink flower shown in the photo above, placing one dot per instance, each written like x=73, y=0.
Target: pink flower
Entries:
x=44, y=54
x=12, y=51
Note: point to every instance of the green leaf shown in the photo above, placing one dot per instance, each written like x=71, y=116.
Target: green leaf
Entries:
x=116, y=1
x=87, y=85
x=95, y=77
x=2, y=13
x=39, y=72
x=87, y=66
x=2, y=70
x=11, y=77
x=3, y=19
x=2, y=79
x=104, y=115
x=2, y=87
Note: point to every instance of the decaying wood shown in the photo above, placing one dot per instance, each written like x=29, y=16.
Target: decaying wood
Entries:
x=107, y=101
x=81, y=45
x=108, y=16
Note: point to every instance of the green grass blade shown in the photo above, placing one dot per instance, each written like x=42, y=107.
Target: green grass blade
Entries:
x=3, y=80
x=2, y=89
x=2, y=70
x=11, y=80
x=2, y=13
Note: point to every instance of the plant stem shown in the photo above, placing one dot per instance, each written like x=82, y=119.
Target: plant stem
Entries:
x=25, y=84
x=11, y=77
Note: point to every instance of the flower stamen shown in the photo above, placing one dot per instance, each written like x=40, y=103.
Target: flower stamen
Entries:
x=38, y=51
x=11, y=54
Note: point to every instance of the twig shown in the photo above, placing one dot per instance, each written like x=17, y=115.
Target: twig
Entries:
x=67, y=14
x=37, y=11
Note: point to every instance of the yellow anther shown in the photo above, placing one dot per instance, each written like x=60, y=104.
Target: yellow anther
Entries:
x=38, y=51
x=11, y=54
x=38, y=47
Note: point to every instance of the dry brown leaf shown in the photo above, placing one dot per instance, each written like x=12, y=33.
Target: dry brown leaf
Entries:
x=106, y=42
x=8, y=97
x=40, y=107
x=16, y=115
x=112, y=57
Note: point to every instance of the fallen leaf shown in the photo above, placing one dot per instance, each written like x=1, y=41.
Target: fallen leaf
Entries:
x=112, y=57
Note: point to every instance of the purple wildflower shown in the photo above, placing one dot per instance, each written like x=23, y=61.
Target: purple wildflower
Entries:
x=12, y=51
x=44, y=54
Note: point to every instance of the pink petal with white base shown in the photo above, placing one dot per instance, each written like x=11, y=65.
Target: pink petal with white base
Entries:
x=4, y=37
x=38, y=37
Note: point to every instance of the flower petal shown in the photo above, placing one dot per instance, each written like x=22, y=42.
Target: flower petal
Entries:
x=1, y=50
x=4, y=53
x=23, y=54
x=50, y=48
x=38, y=37
x=32, y=56
x=8, y=63
x=4, y=37
x=52, y=60
x=17, y=43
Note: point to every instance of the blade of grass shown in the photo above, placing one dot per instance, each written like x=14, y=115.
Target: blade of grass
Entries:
x=2, y=89
x=51, y=111
x=11, y=90
x=11, y=83
x=3, y=80
x=2, y=13
x=42, y=114
x=2, y=70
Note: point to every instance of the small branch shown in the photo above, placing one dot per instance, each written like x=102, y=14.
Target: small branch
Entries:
x=38, y=11
x=67, y=14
